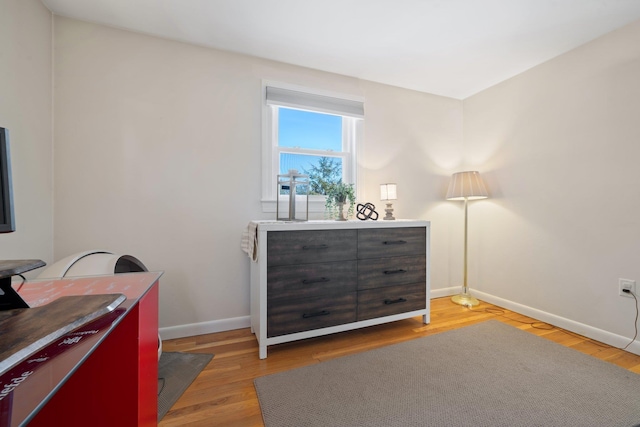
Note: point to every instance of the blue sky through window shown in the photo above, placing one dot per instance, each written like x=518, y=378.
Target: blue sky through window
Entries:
x=306, y=129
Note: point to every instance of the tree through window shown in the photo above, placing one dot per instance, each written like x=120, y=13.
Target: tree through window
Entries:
x=313, y=134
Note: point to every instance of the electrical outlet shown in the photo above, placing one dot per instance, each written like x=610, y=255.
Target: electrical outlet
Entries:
x=626, y=284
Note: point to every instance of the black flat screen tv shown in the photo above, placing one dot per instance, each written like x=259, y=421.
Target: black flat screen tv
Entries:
x=7, y=220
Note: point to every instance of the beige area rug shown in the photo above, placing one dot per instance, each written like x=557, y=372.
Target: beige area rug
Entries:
x=489, y=374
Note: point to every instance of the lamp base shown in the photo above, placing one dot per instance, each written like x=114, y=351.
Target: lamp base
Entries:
x=389, y=211
x=465, y=299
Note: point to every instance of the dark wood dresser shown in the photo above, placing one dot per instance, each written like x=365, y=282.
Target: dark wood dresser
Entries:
x=320, y=277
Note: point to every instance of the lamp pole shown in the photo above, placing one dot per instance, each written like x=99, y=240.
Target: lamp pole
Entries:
x=464, y=186
x=465, y=298
x=465, y=287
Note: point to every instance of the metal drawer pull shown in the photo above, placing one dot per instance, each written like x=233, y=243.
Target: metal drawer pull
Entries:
x=394, y=242
x=398, y=271
x=394, y=301
x=311, y=247
x=316, y=314
x=318, y=280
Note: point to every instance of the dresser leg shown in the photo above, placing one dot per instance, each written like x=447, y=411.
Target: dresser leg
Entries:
x=262, y=351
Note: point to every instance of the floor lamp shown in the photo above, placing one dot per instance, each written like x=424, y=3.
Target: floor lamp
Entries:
x=466, y=186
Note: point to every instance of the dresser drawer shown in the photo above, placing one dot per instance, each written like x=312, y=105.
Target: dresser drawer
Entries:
x=306, y=280
x=382, y=302
x=286, y=317
x=381, y=272
x=302, y=247
x=388, y=242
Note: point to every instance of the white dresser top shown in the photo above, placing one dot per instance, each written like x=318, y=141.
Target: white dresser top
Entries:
x=333, y=225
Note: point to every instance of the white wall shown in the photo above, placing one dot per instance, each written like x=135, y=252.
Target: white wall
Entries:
x=157, y=155
x=559, y=146
x=414, y=139
x=26, y=110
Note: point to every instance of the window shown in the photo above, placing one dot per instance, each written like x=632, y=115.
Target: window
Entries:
x=312, y=133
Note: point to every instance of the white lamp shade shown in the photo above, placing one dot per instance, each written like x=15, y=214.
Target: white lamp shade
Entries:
x=466, y=185
x=388, y=192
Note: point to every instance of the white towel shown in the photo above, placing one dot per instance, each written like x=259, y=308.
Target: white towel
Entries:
x=249, y=242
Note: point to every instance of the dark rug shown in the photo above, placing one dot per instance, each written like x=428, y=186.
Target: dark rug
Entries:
x=176, y=371
x=489, y=374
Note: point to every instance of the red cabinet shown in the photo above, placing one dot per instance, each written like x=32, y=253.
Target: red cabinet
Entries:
x=102, y=374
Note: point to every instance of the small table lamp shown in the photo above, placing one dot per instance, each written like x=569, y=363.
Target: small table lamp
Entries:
x=466, y=186
x=388, y=192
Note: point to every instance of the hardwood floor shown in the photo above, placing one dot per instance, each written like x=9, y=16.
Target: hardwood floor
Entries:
x=223, y=394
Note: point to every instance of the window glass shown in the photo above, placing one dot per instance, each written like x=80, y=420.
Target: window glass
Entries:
x=304, y=163
x=322, y=170
x=306, y=129
x=315, y=134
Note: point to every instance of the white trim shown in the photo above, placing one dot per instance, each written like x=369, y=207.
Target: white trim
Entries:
x=268, y=184
x=210, y=327
x=561, y=322
x=570, y=325
x=444, y=292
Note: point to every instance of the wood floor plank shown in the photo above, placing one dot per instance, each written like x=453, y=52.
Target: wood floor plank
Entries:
x=224, y=395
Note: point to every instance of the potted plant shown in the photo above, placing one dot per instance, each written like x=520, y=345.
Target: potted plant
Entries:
x=338, y=194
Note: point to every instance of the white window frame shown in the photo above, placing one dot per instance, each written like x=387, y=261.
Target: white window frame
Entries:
x=352, y=135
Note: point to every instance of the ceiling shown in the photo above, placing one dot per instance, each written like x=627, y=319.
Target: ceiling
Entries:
x=453, y=48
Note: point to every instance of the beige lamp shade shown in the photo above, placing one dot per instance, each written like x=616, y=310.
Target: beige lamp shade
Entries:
x=388, y=192
x=466, y=185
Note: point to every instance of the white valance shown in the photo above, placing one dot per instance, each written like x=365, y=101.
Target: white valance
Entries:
x=309, y=101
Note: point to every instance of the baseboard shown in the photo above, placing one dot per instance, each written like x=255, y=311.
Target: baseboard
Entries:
x=579, y=328
x=202, y=328
x=609, y=338
x=444, y=292
x=213, y=326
